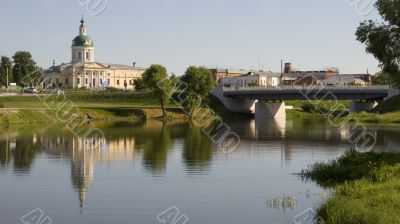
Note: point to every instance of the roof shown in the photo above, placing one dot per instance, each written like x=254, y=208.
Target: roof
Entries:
x=82, y=40
x=59, y=68
x=340, y=79
x=119, y=66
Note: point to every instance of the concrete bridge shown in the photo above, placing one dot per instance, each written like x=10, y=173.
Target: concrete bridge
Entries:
x=269, y=102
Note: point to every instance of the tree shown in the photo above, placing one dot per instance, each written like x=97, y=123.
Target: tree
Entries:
x=25, y=71
x=154, y=80
x=382, y=39
x=381, y=78
x=5, y=66
x=139, y=84
x=199, y=83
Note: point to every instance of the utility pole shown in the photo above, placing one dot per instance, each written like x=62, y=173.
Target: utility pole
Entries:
x=281, y=72
x=7, y=79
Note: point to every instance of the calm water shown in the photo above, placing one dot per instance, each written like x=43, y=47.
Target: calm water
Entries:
x=142, y=170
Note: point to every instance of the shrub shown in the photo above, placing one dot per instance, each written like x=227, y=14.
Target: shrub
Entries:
x=309, y=108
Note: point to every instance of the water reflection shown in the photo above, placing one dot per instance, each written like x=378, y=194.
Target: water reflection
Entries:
x=152, y=143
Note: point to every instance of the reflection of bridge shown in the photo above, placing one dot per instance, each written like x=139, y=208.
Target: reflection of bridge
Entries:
x=268, y=101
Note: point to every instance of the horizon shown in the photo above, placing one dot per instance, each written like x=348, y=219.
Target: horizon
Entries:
x=211, y=34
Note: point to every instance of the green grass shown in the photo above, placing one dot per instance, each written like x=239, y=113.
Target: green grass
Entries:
x=372, y=118
x=87, y=100
x=367, y=188
x=349, y=167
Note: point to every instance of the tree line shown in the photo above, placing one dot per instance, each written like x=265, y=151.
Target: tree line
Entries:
x=19, y=69
x=193, y=87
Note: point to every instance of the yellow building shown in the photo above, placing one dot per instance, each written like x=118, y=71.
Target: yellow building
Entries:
x=85, y=72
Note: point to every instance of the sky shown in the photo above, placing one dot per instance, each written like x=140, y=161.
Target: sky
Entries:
x=234, y=34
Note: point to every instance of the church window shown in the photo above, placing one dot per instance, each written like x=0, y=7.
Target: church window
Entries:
x=86, y=81
x=94, y=82
x=66, y=81
x=117, y=82
x=101, y=81
x=87, y=56
x=79, y=81
x=80, y=55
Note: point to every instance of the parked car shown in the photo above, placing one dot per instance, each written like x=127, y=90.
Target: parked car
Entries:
x=30, y=90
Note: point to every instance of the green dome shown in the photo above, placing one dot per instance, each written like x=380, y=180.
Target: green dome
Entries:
x=82, y=41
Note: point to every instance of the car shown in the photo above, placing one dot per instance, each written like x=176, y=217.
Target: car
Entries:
x=30, y=90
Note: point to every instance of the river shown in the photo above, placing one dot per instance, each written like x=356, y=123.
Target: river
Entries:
x=140, y=171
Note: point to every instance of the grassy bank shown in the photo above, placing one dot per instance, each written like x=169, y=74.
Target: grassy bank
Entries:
x=388, y=112
x=367, y=188
x=24, y=116
x=94, y=106
x=374, y=118
x=85, y=99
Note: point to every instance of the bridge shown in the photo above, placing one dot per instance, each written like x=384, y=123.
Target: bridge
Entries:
x=269, y=101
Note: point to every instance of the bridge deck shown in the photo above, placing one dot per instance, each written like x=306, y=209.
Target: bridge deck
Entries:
x=309, y=93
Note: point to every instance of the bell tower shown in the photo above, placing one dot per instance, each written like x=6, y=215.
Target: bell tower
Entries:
x=82, y=46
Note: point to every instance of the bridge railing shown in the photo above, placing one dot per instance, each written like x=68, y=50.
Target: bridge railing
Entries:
x=246, y=88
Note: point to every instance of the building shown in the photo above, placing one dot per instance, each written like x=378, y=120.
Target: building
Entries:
x=221, y=73
x=367, y=78
x=85, y=72
x=344, y=80
x=317, y=75
x=268, y=79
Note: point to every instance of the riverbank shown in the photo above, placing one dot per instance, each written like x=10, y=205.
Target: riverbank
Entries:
x=387, y=113
x=366, y=188
x=15, y=116
x=141, y=106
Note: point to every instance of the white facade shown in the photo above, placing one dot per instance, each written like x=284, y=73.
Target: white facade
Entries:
x=252, y=79
x=84, y=72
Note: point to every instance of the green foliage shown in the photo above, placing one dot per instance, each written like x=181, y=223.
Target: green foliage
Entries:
x=139, y=84
x=349, y=167
x=156, y=80
x=5, y=66
x=198, y=82
x=364, y=202
x=25, y=72
x=309, y=107
x=382, y=39
x=368, y=190
x=253, y=84
x=382, y=78
x=1, y=104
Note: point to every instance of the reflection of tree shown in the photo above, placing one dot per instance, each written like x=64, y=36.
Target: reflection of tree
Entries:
x=198, y=149
x=155, y=148
x=4, y=154
x=24, y=154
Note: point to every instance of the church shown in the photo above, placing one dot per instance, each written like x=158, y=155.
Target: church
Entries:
x=85, y=72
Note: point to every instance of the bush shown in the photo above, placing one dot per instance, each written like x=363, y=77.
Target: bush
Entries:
x=309, y=108
x=314, y=108
x=1, y=104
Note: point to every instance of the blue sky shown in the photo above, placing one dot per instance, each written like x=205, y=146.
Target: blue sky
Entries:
x=312, y=34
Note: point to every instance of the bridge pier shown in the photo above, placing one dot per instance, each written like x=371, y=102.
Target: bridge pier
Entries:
x=267, y=110
x=362, y=106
